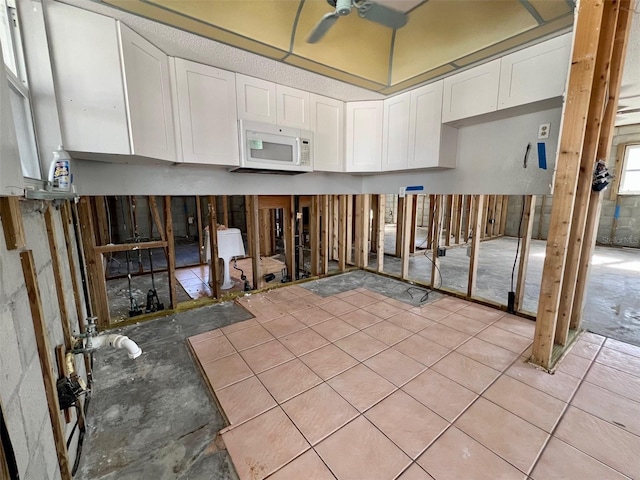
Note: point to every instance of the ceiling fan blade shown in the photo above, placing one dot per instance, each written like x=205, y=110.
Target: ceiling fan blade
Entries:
x=381, y=14
x=322, y=27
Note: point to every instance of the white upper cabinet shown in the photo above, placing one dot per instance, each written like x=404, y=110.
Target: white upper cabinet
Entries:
x=327, y=124
x=206, y=114
x=112, y=86
x=535, y=73
x=364, y=136
x=148, y=95
x=292, y=107
x=395, y=132
x=472, y=92
x=256, y=99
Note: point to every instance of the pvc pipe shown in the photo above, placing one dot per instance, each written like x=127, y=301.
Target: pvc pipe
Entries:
x=116, y=341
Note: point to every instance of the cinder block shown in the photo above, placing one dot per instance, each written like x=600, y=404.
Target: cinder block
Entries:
x=37, y=467
x=33, y=403
x=23, y=326
x=17, y=433
x=10, y=362
x=49, y=454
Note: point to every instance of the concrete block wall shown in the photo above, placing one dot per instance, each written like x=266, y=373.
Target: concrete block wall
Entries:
x=422, y=210
x=22, y=391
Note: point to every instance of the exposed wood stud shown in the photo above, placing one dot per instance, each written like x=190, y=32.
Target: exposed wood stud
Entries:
x=437, y=235
x=103, y=222
x=457, y=217
x=153, y=205
x=48, y=376
x=467, y=218
x=358, y=233
x=432, y=202
x=400, y=221
x=199, y=224
x=124, y=247
x=503, y=214
x=214, y=273
x=12, y=223
x=380, y=232
x=446, y=228
x=225, y=210
x=541, y=218
x=525, y=245
x=253, y=238
x=412, y=228
x=349, y=237
x=407, y=220
x=341, y=215
x=366, y=229
x=477, y=226
x=374, y=222
x=314, y=233
x=325, y=251
x=171, y=251
x=335, y=230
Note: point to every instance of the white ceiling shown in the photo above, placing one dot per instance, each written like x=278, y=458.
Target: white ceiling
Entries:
x=186, y=45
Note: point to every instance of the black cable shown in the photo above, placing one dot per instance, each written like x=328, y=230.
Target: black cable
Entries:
x=423, y=290
x=435, y=265
x=515, y=260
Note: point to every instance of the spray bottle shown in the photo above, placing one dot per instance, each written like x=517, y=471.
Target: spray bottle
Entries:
x=60, y=171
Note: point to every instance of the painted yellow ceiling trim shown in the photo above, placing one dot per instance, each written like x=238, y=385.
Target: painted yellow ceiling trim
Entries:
x=550, y=10
x=423, y=78
x=312, y=66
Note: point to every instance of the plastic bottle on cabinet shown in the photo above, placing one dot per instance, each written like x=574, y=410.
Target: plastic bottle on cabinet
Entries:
x=60, y=171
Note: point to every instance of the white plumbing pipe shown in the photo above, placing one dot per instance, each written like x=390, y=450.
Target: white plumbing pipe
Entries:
x=116, y=341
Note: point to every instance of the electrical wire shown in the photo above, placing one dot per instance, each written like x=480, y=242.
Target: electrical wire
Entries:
x=515, y=260
x=435, y=265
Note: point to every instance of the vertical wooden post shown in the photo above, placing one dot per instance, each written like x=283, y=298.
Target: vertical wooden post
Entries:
x=382, y=199
x=253, y=219
x=341, y=215
x=225, y=210
x=12, y=223
x=412, y=228
x=525, y=245
x=325, y=252
x=374, y=222
x=213, y=246
x=432, y=202
x=401, y=213
x=540, y=220
x=103, y=223
x=437, y=234
x=447, y=219
x=405, y=246
x=477, y=226
x=289, y=241
x=153, y=205
x=335, y=229
x=314, y=233
x=366, y=229
x=586, y=32
x=457, y=214
x=199, y=224
x=358, y=233
x=467, y=218
x=503, y=214
x=171, y=251
x=349, y=238
x=48, y=376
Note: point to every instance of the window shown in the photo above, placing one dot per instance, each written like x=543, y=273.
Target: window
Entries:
x=630, y=176
x=16, y=75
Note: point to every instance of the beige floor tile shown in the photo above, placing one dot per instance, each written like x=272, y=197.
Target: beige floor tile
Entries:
x=361, y=387
x=443, y=335
x=360, y=319
x=394, y=366
x=266, y=356
x=620, y=361
x=608, y=406
x=244, y=400
x=463, y=324
x=422, y=350
x=619, y=346
x=298, y=304
x=601, y=440
x=303, y=341
x=328, y=361
x=299, y=291
x=414, y=472
x=283, y=326
x=372, y=294
x=334, y=329
x=279, y=295
x=509, y=436
x=359, y=451
x=338, y=307
x=615, y=381
x=593, y=338
x=205, y=336
x=505, y=339
x=456, y=456
x=442, y=395
x=289, y=379
x=451, y=303
x=408, y=423
x=518, y=325
x=431, y=312
x=346, y=293
x=307, y=466
x=271, y=311
x=235, y=327
x=481, y=313
x=246, y=444
x=559, y=460
x=410, y=321
x=559, y=385
x=398, y=304
x=360, y=346
x=585, y=349
x=467, y=372
x=573, y=365
x=249, y=337
x=212, y=349
x=226, y=370
x=526, y=402
x=318, y=300
x=383, y=309
x=359, y=299
x=312, y=315
x=488, y=354
x=319, y=412
x=387, y=332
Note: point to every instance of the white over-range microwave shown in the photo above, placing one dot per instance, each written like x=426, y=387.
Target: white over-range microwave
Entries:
x=267, y=148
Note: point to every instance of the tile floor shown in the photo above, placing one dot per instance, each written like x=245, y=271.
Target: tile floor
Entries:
x=361, y=386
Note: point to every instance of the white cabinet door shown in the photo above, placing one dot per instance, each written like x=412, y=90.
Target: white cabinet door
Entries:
x=327, y=125
x=148, y=93
x=364, y=136
x=472, y=92
x=395, y=132
x=292, y=107
x=206, y=99
x=425, y=120
x=535, y=73
x=256, y=99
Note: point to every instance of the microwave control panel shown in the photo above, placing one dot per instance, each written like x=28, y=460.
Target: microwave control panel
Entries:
x=305, y=152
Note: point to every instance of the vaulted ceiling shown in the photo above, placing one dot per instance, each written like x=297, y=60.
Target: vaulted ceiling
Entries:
x=440, y=36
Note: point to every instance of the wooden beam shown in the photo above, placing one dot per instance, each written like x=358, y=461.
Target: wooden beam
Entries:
x=49, y=222
x=349, y=237
x=171, y=251
x=199, y=224
x=467, y=218
x=48, y=376
x=366, y=228
x=477, y=219
x=153, y=206
x=457, y=217
x=358, y=233
x=379, y=226
x=12, y=223
x=582, y=70
x=541, y=218
x=102, y=227
x=504, y=210
x=432, y=202
x=400, y=221
x=446, y=228
x=314, y=233
x=124, y=247
x=214, y=272
x=412, y=228
x=374, y=222
x=525, y=245
x=437, y=234
x=264, y=225
x=587, y=162
x=225, y=210
x=289, y=240
x=341, y=215
x=325, y=251
x=485, y=217
x=407, y=220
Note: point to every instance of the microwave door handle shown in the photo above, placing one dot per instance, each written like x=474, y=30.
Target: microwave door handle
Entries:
x=298, y=151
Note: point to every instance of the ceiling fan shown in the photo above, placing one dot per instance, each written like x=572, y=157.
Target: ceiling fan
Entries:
x=367, y=9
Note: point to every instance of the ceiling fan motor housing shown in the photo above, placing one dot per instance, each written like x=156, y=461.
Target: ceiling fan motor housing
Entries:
x=343, y=7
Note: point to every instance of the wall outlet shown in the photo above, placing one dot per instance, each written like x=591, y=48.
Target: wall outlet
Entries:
x=543, y=131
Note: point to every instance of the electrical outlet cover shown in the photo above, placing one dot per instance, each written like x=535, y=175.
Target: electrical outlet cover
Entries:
x=543, y=131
